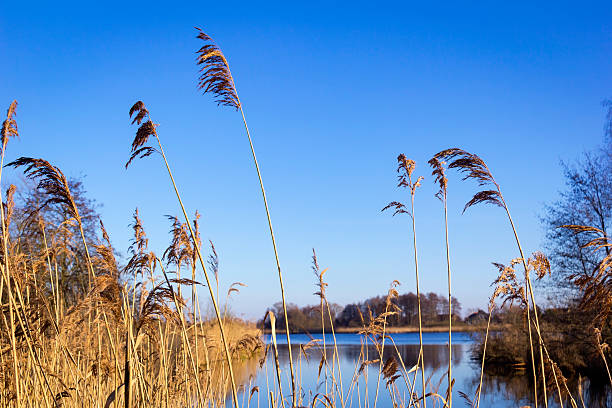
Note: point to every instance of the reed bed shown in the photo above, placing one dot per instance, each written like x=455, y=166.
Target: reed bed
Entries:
x=79, y=329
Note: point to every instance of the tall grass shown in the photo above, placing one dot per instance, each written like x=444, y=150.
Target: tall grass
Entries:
x=440, y=178
x=473, y=167
x=140, y=149
x=128, y=337
x=405, y=168
x=217, y=79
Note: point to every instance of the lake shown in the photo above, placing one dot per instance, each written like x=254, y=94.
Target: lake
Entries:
x=498, y=391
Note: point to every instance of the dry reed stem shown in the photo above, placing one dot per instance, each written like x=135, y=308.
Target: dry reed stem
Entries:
x=473, y=167
x=405, y=169
x=484, y=352
x=440, y=177
x=137, y=149
x=216, y=78
x=276, y=362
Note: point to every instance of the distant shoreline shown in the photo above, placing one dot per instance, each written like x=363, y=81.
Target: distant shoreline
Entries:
x=401, y=329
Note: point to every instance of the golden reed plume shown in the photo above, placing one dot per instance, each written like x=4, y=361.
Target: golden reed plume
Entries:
x=215, y=75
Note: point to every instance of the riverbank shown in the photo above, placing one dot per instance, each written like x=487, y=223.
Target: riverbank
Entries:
x=407, y=329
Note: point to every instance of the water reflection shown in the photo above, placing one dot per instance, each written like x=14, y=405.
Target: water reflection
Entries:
x=498, y=390
x=519, y=388
x=435, y=356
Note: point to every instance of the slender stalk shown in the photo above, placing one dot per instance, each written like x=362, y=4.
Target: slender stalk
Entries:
x=601, y=349
x=216, y=78
x=484, y=352
x=193, y=306
x=208, y=284
x=382, y=350
x=416, y=270
x=54, y=289
x=6, y=262
x=183, y=332
x=323, y=332
x=533, y=366
x=535, y=309
x=450, y=311
x=26, y=331
x=476, y=168
x=280, y=275
x=278, y=375
x=603, y=357
x=337, y=355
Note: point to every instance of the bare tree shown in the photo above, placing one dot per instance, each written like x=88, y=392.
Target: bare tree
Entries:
x=586, y=200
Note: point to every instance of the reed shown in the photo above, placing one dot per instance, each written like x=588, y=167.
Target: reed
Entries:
x=405, y=168
x=439, y=173
x=473, y=167
x=140, y=149
x=78, y=329
x=216, y=78
x=321, y=285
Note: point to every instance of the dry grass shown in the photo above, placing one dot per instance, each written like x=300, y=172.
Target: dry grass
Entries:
x=134, y=335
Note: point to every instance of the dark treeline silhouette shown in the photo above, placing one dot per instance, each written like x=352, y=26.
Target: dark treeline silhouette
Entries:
x=434, y=310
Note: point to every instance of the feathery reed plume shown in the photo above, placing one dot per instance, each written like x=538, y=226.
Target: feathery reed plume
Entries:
x=439, y=173
x=320, y=285
x=597, y=286
x=321, y=292
x=141, y=260
x=9, y=129
x=9, y=205
x=179, y=251
x=473, y=167
x=9, y=125
x=233, y=288
x=155, y=306
x=216, y=78
x=140, y=241
x=17, y=307
x=405, y=168
x=215, y=75
x=195, y=241
x=106, y=262
x=53, y=183
x=146, y=130
x=213, y=262
x=507, y=288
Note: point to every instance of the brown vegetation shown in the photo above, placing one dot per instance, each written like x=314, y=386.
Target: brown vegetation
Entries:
x=80, y=329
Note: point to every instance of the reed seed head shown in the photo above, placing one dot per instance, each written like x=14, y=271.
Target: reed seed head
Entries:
x=51, y=181
x=439, y=173
x=405, y=168
x=539, y=264
x=9, y=126
x=473, y=167
x=10, y=204
x=145, y=130
x=215, y=75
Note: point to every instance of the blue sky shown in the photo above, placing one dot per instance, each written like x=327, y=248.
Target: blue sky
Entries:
x=333, y=92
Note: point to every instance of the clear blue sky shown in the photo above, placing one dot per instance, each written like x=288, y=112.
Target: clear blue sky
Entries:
x=332, y=92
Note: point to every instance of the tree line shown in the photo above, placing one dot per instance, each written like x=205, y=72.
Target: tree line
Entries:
x=434, y=312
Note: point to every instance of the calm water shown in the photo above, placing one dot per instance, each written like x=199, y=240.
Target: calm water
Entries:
x=497, y=391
